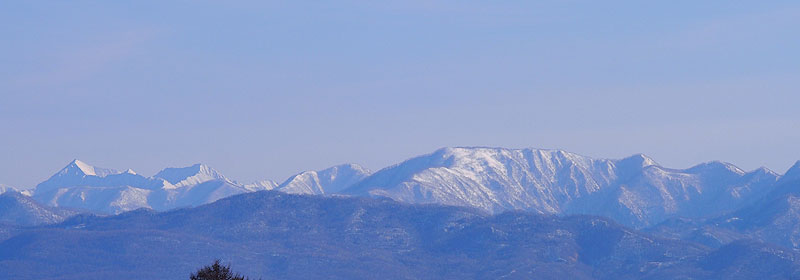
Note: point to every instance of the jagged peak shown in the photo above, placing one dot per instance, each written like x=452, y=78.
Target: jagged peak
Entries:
x=198, y=173
x=78, y=167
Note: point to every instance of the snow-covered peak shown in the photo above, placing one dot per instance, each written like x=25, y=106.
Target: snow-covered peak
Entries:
x=191, y=175
x=80, y=168
x=327, y=181
x=481, y=159
x=489, y=178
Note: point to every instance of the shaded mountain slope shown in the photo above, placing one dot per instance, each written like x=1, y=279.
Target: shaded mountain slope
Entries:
x=281, y=236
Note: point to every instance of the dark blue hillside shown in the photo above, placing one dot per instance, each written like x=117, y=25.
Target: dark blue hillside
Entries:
x=274, y=235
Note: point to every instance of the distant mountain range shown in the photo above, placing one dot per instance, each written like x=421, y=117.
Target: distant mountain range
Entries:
x=83, y=186
x=489, y=212
x=21, y=210
x=634, y=191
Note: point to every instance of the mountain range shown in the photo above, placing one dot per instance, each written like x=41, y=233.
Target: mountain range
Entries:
x=490, y=212
x=635, y=191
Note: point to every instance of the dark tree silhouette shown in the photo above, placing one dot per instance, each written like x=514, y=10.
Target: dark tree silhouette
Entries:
x=216, y=271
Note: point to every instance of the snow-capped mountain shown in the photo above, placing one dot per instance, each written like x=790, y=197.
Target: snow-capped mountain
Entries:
x=21, y=210
x=328, y=181
x=103, y=190
x=774, y=218
x=188, y=176
x=635, y=191
x=196, y=185
x=80, y=185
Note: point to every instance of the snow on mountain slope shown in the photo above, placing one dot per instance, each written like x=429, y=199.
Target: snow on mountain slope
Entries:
x=656, y=193
x=78, y=173
x=773, y=217
x=195, y=195
x=80, y=185
x=188, y=176
x=196, y=185
x=328, y=181
x=263, y=185
x=492, y=179
x=635, y=190
x=21, y=210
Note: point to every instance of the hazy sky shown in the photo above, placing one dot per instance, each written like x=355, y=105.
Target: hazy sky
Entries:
x=263, y=90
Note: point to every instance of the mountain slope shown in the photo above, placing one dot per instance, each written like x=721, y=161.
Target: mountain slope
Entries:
x=7, y=188
x=774, y=218
x=20, y=210
x=80, y=185
x=635, y=190
x=263, y=185
x=328, y=181
x=280, y=236
x=191, y=175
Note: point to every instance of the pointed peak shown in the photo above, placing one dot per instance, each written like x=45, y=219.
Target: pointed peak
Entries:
x=81, y=168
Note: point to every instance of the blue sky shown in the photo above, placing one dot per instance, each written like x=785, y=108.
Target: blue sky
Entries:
x=262, y=90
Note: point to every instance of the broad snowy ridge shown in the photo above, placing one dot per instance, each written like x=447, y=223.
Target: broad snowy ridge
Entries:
x=636, y=191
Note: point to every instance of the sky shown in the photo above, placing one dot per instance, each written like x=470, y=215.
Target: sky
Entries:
x=265, y=89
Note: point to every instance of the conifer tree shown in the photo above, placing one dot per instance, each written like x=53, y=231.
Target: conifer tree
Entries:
x=216, y=271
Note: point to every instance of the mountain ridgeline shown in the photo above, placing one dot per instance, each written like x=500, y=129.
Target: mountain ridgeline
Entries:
x=82, y=186
x=634, y=191
x=456, y=213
